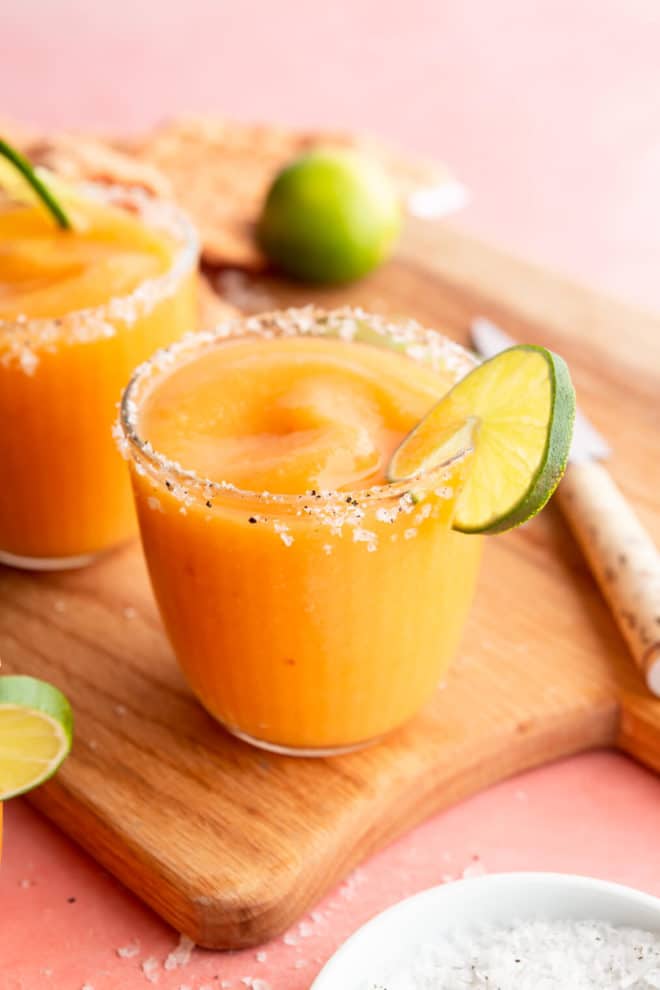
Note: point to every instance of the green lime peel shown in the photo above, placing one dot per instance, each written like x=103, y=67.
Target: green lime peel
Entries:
x=22, y=165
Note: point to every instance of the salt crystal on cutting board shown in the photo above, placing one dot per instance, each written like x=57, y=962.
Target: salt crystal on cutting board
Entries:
x=537, y=955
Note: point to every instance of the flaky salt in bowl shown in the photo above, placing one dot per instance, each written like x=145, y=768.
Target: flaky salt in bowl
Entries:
x=518, y=931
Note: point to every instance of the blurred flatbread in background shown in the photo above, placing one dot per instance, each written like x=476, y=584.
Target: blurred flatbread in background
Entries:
x=79, y=157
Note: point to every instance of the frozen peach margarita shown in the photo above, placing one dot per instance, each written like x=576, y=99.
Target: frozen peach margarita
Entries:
x=312, y=605
x=79, y=309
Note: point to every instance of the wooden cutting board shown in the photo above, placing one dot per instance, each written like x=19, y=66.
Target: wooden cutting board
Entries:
x=230, y=844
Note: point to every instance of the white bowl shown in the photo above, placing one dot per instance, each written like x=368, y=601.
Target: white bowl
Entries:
x=501, y=898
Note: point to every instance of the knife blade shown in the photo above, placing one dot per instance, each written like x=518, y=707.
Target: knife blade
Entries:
x=622, y=556
x=588, y=444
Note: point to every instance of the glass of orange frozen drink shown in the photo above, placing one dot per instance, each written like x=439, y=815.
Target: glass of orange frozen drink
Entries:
x=312, y=606
x=79, y=309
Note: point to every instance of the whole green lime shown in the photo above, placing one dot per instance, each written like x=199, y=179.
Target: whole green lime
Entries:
x=332, y=215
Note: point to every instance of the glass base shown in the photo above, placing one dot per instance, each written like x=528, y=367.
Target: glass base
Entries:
x=46, y=563
x=271, y=747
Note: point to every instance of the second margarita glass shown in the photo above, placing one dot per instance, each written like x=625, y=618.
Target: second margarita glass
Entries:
x=64, y=496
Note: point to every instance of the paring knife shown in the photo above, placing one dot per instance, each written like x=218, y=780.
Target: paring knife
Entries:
x=620, y=553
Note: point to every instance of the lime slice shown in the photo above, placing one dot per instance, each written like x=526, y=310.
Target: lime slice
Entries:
x=517, y=412
x=36, y=731
x=30, y=185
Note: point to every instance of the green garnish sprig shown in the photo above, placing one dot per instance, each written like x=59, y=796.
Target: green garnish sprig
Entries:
x=23, y=166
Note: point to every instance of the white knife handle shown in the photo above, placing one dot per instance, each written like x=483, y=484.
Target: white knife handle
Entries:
x=622, y=556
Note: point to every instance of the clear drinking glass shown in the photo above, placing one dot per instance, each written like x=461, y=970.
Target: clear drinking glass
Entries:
x=65, y=495
x=306, y=624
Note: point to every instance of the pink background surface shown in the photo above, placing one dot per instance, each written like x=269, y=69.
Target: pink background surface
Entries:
x=550, y=112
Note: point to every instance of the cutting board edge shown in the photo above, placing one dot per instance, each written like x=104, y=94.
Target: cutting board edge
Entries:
x=252, y=918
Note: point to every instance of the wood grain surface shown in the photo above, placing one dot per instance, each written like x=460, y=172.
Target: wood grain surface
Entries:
x=230, y=844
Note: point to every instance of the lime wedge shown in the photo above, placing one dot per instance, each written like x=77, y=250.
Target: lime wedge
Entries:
x=30, y=186
x=36, y=731
x=518, y=408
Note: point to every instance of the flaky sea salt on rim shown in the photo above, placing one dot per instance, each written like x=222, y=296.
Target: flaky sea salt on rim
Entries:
x=333, y=509
x=23, y=339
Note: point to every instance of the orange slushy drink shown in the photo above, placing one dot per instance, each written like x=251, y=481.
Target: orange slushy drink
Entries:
x=312, y=606
x=79, y=309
